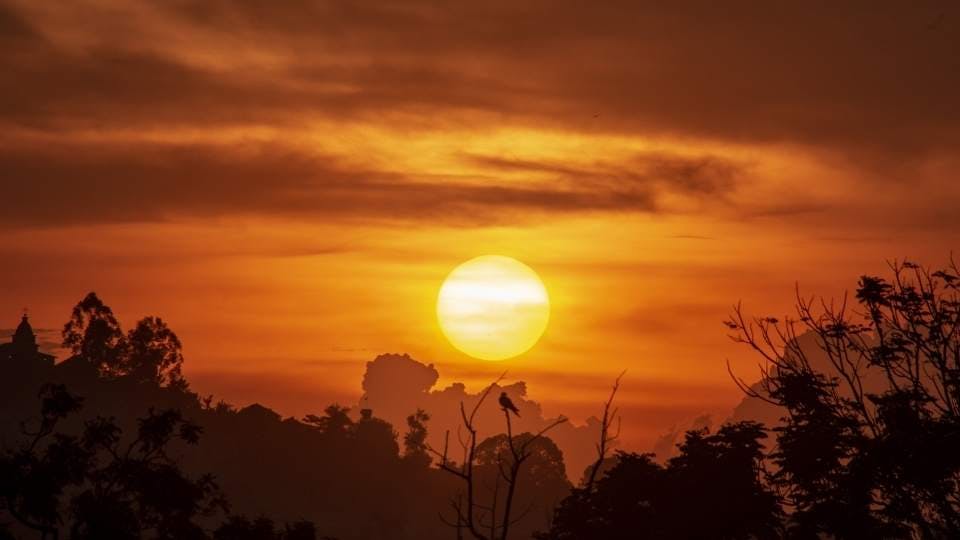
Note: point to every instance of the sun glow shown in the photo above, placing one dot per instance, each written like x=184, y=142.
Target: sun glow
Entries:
x=493, y=307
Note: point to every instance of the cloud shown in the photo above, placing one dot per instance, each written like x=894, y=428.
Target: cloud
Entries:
x=397, y=385
x=63, y=183
x=765, y=76
x=645, y=172
x=776, y=73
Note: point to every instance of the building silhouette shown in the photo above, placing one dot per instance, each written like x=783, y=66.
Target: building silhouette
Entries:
x=22, y=352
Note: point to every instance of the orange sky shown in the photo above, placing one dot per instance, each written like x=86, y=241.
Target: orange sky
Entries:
x=287, y=185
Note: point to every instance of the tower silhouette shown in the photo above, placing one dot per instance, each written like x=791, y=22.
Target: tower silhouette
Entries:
x=22, y=351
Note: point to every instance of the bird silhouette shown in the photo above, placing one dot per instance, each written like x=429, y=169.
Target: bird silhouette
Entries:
x=508, y=405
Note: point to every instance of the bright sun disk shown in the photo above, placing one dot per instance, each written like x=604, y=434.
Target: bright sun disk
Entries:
x=493, y=307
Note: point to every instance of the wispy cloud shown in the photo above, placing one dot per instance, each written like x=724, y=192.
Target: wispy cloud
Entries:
x=71, y=183
x=692, y=70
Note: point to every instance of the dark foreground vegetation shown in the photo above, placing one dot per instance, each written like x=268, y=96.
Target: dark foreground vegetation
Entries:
x=112, y=443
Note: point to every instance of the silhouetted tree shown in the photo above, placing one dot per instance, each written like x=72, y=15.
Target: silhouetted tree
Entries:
x=84, y=475
x=150, y=352
x=34, y=476
x=335, y=422
x=523, y=472
x=869, y=443
x=154, y=353
x=607, y=437
x=712, y=489
x=721, y=475
x=101, y=487
x=415, y=440
x=137, y=486
x=819, y=464
x=375, y=439
x=622, y=504
x=94, y=334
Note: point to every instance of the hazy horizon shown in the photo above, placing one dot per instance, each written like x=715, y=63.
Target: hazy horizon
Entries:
x=287, y=186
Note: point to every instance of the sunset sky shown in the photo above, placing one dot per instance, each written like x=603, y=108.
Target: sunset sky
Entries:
x=288, y=183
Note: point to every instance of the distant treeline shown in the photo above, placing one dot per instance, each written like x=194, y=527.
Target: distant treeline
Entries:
x=112, y=443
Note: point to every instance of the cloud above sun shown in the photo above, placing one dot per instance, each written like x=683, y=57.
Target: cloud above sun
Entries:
x=256, y=107
x=692, y=70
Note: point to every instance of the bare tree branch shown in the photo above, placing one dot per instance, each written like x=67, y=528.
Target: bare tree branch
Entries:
x=606, y=439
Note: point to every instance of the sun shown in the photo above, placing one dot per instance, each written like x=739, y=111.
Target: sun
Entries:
x=493, y=307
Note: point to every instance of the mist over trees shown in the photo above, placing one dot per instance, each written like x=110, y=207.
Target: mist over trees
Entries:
x=394, y=385
x=860, y=399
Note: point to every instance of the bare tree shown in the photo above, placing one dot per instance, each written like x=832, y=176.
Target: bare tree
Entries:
x=606, y=438
x=466, y=517
x=519, y=452
x=470, y=514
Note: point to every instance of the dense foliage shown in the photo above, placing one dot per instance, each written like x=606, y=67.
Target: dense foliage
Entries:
x=710, y=490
